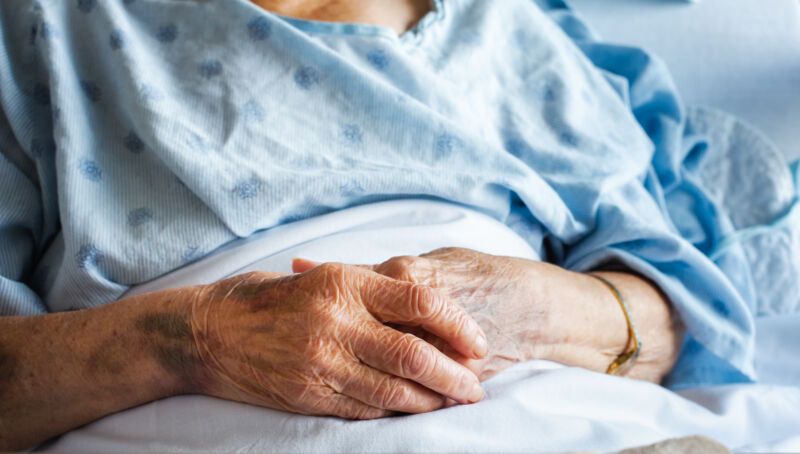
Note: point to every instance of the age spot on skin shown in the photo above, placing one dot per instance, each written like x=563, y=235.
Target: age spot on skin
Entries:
x=107, y=359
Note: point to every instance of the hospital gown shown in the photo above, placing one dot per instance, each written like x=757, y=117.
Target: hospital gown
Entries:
x=137, y=136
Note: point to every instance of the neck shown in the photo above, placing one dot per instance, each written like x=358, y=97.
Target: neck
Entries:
x=399, y=15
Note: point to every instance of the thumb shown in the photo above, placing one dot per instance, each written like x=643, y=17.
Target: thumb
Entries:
x=302, y=265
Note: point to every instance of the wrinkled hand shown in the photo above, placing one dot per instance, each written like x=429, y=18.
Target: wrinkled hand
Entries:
x=530, y=309
x=317, y=343
x=501, y=293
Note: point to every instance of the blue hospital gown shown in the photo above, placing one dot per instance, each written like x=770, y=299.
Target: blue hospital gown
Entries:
x=138, y=135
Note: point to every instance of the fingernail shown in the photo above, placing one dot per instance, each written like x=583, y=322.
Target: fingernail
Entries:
x=476, y=394
x=481, y=347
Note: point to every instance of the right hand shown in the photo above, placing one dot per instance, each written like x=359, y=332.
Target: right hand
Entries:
x=315, y=343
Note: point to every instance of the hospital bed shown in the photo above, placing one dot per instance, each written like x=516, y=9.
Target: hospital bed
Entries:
x=742, y=56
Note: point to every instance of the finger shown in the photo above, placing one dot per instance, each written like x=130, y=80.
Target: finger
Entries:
x=395, y=301
x=381, y=390
x=402, y=268
x=407, y=356
x=349, y=408
x=449, y=403
x=300, y=265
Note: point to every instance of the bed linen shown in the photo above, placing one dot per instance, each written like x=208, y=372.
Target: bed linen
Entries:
x=739, y=56
x=536, y=406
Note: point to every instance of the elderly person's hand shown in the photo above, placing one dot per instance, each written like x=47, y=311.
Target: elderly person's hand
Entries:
x=314, y=343
x=317, y=343
x=532, y=309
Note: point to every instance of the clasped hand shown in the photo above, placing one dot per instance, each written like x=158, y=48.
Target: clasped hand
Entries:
x=318, y=343
x=510, y=298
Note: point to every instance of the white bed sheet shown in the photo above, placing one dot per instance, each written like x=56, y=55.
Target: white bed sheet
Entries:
x=537, y=406
x=740, y=56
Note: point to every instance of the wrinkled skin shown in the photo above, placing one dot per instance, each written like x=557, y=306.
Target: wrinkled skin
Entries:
x=498, y=292
x=317, y=343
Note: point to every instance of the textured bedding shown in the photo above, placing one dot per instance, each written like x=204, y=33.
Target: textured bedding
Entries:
x=536, y=406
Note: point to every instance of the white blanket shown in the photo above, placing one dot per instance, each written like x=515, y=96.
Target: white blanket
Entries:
x=537, y=406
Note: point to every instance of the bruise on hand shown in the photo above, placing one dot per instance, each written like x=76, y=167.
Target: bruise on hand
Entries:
x=171, y=341
x=109, y=358
x=256, y=290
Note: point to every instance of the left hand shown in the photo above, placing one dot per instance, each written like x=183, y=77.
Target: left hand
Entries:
x=530, y=309
x=515, y=301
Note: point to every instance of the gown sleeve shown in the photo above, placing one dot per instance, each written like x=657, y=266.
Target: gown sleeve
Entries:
x=643, y=225
x=25, y=111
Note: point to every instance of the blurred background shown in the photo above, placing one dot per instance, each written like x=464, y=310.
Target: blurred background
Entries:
x=740, y=56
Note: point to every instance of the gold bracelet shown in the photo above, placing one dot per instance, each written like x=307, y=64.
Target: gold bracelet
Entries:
x=626, y=359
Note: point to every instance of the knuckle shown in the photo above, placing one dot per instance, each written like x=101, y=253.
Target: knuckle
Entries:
x=395, y=396
x=401, y=268
x=402, y=397
x=313, y=400
x=330, y=268
x=403, y=260
x=376, y=413
x=331, y=278
x=318, y=396
x=365, y=412
x=424, y=301
x=463, y=322
x=346, y=408
x=416, y=361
